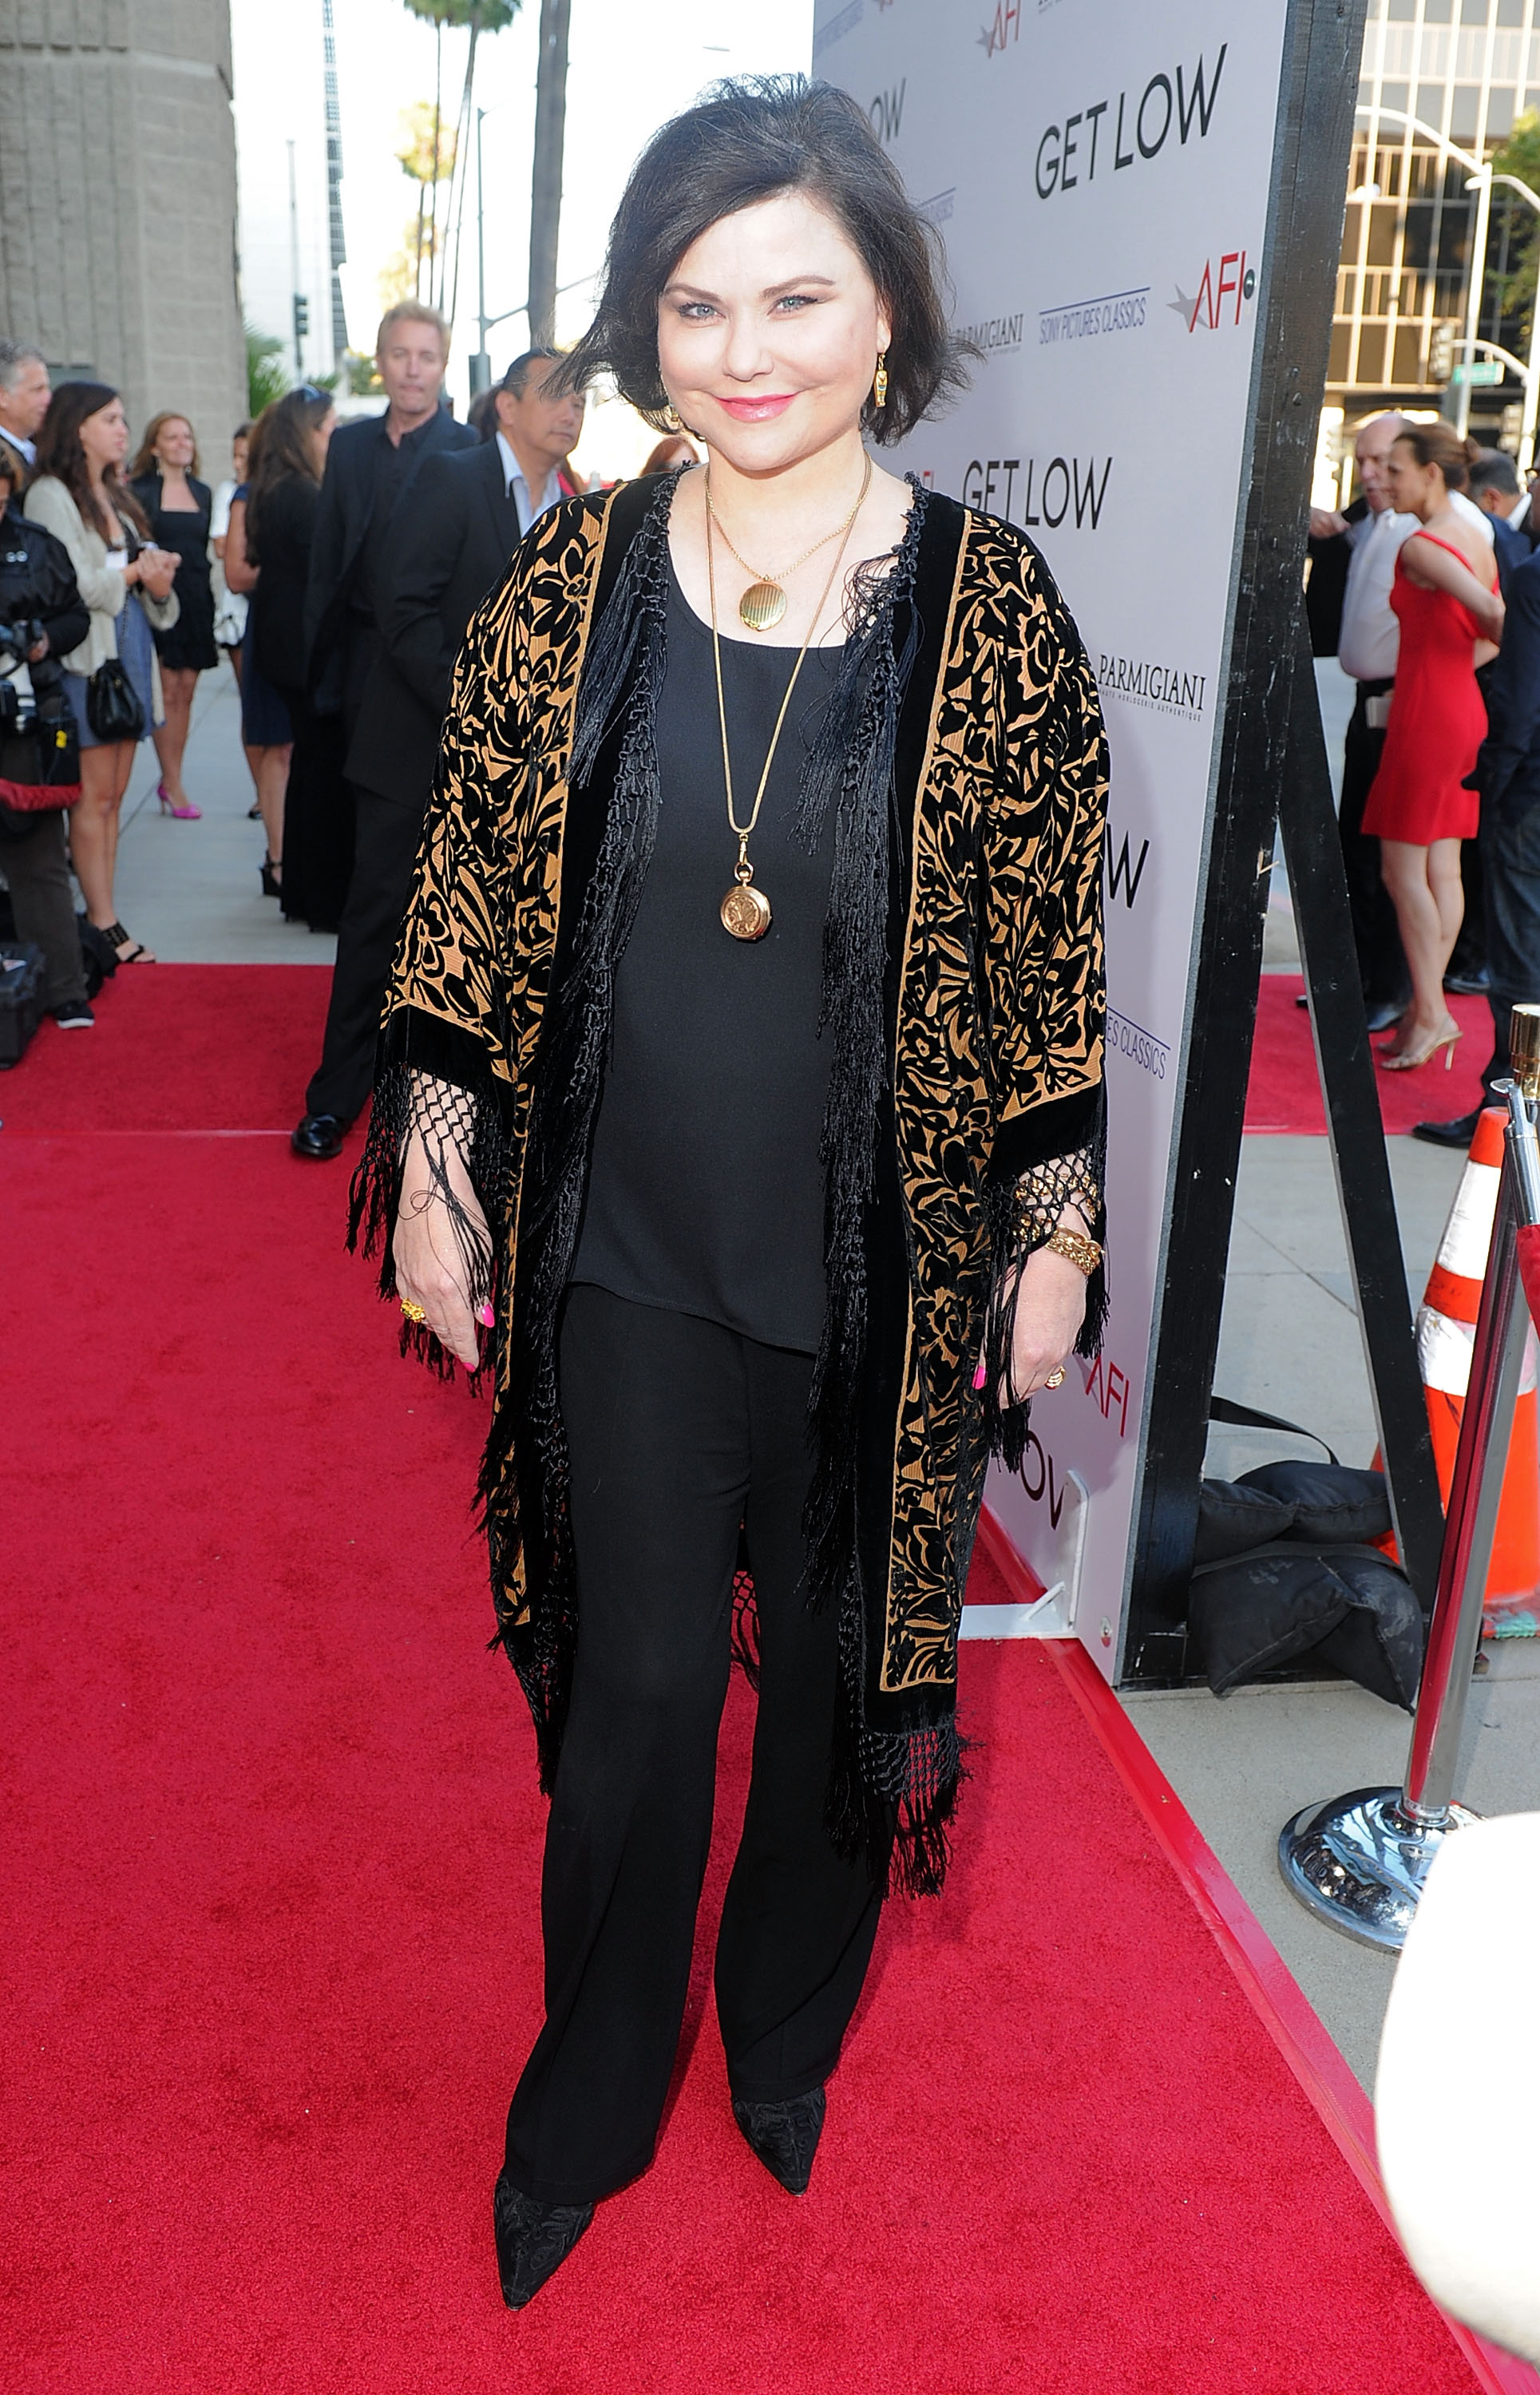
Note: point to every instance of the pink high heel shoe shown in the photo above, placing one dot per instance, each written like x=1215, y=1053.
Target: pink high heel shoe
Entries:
x=183, y=814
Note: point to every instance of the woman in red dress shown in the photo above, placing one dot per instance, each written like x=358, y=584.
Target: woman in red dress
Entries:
x=1445, y=595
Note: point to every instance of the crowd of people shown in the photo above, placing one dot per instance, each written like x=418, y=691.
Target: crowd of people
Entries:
x=1427, y=590
x=337, y=575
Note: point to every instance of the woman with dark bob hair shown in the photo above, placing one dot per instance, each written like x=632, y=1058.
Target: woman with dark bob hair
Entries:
x=740, y=1111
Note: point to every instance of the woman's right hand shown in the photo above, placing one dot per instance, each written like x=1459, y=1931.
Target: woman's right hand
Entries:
x=430, y=1266
x=157, y=570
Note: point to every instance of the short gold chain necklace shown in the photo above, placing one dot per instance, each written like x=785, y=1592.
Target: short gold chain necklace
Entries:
x=746, y=910
x=764, y=603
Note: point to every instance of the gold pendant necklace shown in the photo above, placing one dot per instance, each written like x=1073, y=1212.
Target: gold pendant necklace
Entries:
x=746, y=909
x=764, y=603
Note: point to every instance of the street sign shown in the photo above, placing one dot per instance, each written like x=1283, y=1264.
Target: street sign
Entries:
x=1486, y=370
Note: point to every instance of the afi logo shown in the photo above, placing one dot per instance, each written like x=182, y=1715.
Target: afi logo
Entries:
x=1006, y=28
x=1108, y=1387
x=1221, y=294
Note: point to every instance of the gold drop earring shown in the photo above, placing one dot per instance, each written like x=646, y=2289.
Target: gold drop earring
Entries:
x=673, y=421
x=880, y=382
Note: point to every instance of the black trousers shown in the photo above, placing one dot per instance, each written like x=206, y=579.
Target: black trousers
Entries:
x=1377, y=938
x=38, y=878
x=385, y=846
x=679, y=1431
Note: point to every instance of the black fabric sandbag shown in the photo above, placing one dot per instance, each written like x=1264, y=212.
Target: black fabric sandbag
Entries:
x=1379, y=1640
x=1330, y=1501
x=1232, y=1518
x=1247, y=1616
x=1347, y=1605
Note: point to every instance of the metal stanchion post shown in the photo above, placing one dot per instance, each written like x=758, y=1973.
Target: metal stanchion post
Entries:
x=1359, y=1862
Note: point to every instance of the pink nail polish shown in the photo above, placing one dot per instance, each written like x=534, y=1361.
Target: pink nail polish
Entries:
x=485, y=1316
x=981, y=1377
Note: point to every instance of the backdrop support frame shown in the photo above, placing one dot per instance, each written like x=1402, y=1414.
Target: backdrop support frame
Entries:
x=1273, y=754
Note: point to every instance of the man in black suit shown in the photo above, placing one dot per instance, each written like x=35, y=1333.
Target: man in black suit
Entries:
x=1507, y=774
x=449, y=539
x=24, y=395
x=451, y=542
x=371, y=467
x=1495, y=488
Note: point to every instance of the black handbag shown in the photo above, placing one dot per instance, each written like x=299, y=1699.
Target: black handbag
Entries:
x=111, y=703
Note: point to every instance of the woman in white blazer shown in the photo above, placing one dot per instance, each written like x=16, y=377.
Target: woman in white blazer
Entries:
x=126, y=582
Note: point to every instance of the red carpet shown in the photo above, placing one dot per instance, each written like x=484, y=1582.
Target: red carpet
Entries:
x=269, y=1959
x=1284, y=1093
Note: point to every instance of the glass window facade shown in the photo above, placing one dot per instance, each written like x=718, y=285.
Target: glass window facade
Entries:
x=1464, y=69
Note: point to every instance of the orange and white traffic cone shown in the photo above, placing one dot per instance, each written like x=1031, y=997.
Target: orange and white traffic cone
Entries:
x=1446, y=1336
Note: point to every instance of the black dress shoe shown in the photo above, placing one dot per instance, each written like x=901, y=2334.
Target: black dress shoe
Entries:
x=1458, y=1133
x=533, y=2239
x=1475, y=982
x=785, y=2135
x=318, y=1136
x=1380, y=1012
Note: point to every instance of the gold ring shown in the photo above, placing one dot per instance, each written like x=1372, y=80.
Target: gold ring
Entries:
x=1054, y=1380
x=414, y=1313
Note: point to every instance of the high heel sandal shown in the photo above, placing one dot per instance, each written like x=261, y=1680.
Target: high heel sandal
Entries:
x=188, y=813
x=1411, y=1058
x=272, y=886
x=137, y=952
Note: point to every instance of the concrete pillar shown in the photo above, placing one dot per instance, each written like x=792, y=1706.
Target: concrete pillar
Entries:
x=117, y=203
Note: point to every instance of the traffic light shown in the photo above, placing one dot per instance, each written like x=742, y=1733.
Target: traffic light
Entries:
x=302, y=316
x=1440, y=353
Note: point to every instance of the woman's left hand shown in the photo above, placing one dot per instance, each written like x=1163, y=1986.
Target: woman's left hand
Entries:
x=1050, y=1308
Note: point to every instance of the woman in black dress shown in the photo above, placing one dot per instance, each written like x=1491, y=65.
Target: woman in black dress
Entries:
x=288, y=458
x=164, y=479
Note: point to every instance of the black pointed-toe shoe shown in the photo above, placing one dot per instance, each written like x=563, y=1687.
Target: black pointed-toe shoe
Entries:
x=319, y=1137
x=785, y=2135
x=533, y=2239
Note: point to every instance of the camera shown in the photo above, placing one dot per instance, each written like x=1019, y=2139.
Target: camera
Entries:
x=17, y=639
x=15, y=703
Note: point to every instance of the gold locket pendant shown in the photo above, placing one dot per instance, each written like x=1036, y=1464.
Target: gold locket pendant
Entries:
x=745, y=910
x=763, y=606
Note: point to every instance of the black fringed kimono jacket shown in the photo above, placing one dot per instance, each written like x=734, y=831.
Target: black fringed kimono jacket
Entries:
x=963, y=750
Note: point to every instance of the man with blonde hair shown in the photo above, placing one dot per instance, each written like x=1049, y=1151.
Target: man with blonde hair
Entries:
x=371, y=464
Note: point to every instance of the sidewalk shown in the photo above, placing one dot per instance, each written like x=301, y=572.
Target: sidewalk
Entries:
x=191, y=890
x=1290, y=1344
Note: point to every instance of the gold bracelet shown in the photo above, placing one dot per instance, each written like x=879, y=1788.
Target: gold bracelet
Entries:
x=1083, y=1253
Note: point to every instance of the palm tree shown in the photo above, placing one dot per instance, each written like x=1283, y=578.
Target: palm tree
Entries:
x=479, y=17
x=545, y=198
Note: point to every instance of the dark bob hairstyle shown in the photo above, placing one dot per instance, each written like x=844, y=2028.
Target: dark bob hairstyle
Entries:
x=746, y=141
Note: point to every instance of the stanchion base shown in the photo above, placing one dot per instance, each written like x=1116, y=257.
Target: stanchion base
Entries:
x=1358, y=1863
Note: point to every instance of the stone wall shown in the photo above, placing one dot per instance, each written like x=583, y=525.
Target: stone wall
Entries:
x=117, y=201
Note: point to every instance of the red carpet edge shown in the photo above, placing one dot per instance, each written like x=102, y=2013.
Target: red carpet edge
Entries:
x=1269, y=1986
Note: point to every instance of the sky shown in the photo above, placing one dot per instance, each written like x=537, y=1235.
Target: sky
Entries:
x=633, y=64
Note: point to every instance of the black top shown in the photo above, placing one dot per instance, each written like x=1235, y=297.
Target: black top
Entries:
x=706, y=1193
x=279, y=545
x=395, y=463
x=190, y=640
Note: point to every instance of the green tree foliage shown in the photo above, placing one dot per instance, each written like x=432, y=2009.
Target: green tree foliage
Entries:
x=266, y=376
x=1520, y=154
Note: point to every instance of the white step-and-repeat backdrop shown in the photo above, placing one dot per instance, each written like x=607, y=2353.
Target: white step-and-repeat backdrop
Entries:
x=1099, y=171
